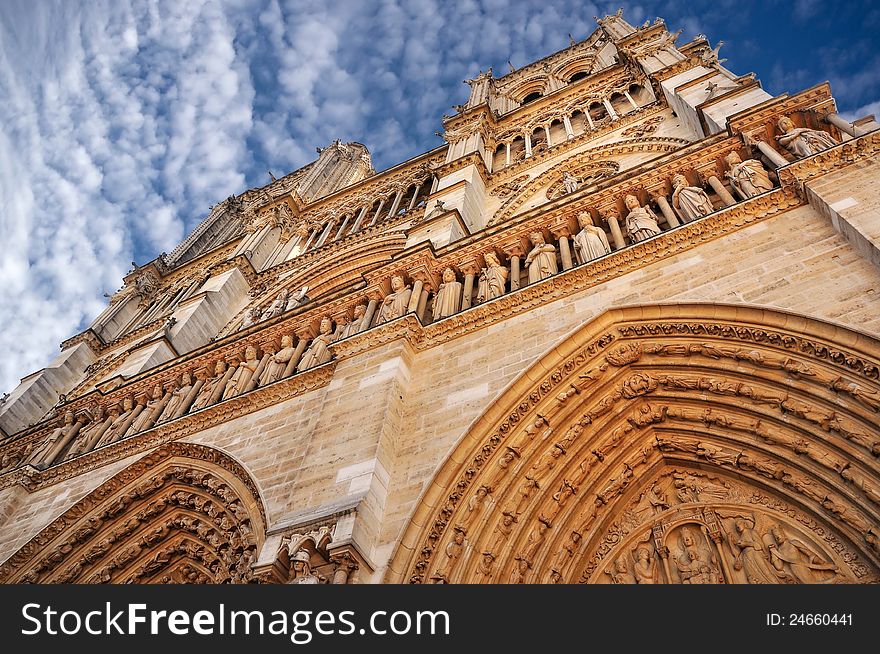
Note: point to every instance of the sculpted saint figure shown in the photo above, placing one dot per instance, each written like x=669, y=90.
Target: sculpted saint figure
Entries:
x=620, y=573
x=541, y=261
x=641, y=223
x=696, y=565
x=278, y=362
x=448, y=298
x=358, y=323
x=591, y=242
x=750, y=556
x=801, y=141
x=394, y=305
x=121, y=421
x=180, y=399
x=318, y=351
x=645, y=568
x=690, y=201
x=150, y=413
x=87, y=437
x=211, y=387
x=570, y=182
x=747, y=177
x=252, y=317
x=492, y=279
x=796, y=560
x=238, y=383
x=277, y=307
x=58, y=439
x=302, y=570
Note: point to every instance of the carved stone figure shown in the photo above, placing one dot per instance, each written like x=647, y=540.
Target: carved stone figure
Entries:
x=298, y=299
x=487, y=560
x=318, y=351
x=238, y=383
x=748, y=177
x=57, y=440
x=358, y=323
x=251, y=317
x=620, y=573
x=180, y=399
x=121, y=421
x=277, y=307
x=302, y=570
x=492, y=279
x=395, y=304
x=88, y=436
x=277, y=363
x=795, y=559
x=151, y=411
x=541, y=260
x=448, y=299
x=640, y=222
x=591, y=242
x=570, y=182
x=750, y=556
x=212, y=388
x=645, y=568
x=691, y=202
x=520, y=570
x=801, y=141
x=695, y=564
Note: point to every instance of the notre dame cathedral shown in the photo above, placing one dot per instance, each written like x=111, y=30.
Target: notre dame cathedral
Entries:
x=623, y=326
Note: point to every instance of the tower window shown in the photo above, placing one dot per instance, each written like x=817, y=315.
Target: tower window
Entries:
x=531, y=97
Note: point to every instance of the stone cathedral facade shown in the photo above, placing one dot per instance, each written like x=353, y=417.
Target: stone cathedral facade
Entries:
x=622, y=327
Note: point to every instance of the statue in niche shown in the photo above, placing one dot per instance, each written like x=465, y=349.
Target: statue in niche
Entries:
x=797, y=561
x=487, y=560
x=645, y=567
x=640, y=222
x=358, y=323
x=620, y=573
x=541, y=260
x=520, y=570
x=210, y=387
x=749, y=554
x=748, y=177
x=570, y=182
x=591, y=242
x=657, y=499
x=448, y=298
x=277, y=363
x=44, y=455
x=121, y=420
x=695, y=564
x=238, y=383
x=342, y=326
x=151, y=411
x=691, y=202
x=492, y=279
x=802, y=141
x=298, y=299
x=302, y=570
x=454, y=548
x=277, y=307
x=318, y=351
x=87, y=437
x=251, y=317
x=504, y=529
x=177, y=404
x=395, y=304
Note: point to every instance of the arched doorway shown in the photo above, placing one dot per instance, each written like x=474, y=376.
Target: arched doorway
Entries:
x=667, y=444
x=184, y=513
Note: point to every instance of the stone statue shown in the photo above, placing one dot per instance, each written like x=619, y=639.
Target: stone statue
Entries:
x=541, y=261
x=181, y=398
x=358, y=323
x=645, y=568
x=212, y=387
x=750, y=556
x=591, y=242
x=302, y=570
x=570, y=182
x=251, y=317
x=641, y=223
x=395, y=304
x=151, y=411
x=274, y=369
x=691, y=202
x=801, y=141
x=796, y=560
x=121, y=421
x=448, y=298
x=748, y=177
x=46, y=454
x=238, y=383
x=318, y=351
x=87, y=437
x=298, y=299
x=492, y=279
x=696, y=565
x=277, y=307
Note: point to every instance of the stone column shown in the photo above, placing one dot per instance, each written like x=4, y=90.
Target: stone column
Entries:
x=515, y=252
x=378, y=213
x=569, y=130
x=547, y=134
x=772, y=155
x=666, y=210
x=303, y=337
x=528, y=145
x=507, y=154
x=324, y=233
x=469, y=270
x=372, y=305
x=396, y=204
x=722, y=192
x=844, y=126
x=562, y=233
x=616, y=234
x=610, y=109
x=631, y=101
x=311, y=238
x=589, y=119
x=416, y=296
x=423, y=303
x=360, y=219
x=415, y=197
x=342, y=227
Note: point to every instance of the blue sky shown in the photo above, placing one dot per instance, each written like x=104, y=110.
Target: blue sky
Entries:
x=121, y=122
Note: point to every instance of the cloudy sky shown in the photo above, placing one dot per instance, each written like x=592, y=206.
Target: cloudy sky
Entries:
x=121, y=122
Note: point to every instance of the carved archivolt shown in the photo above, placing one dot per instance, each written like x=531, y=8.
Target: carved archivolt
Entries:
x=184, y=513
x=667, y=444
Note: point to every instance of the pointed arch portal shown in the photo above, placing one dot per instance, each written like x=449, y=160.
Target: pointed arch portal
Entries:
x=184, y=513
x=667, y=444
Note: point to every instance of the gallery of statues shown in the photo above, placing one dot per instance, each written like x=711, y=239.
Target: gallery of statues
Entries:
x=622, y=327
